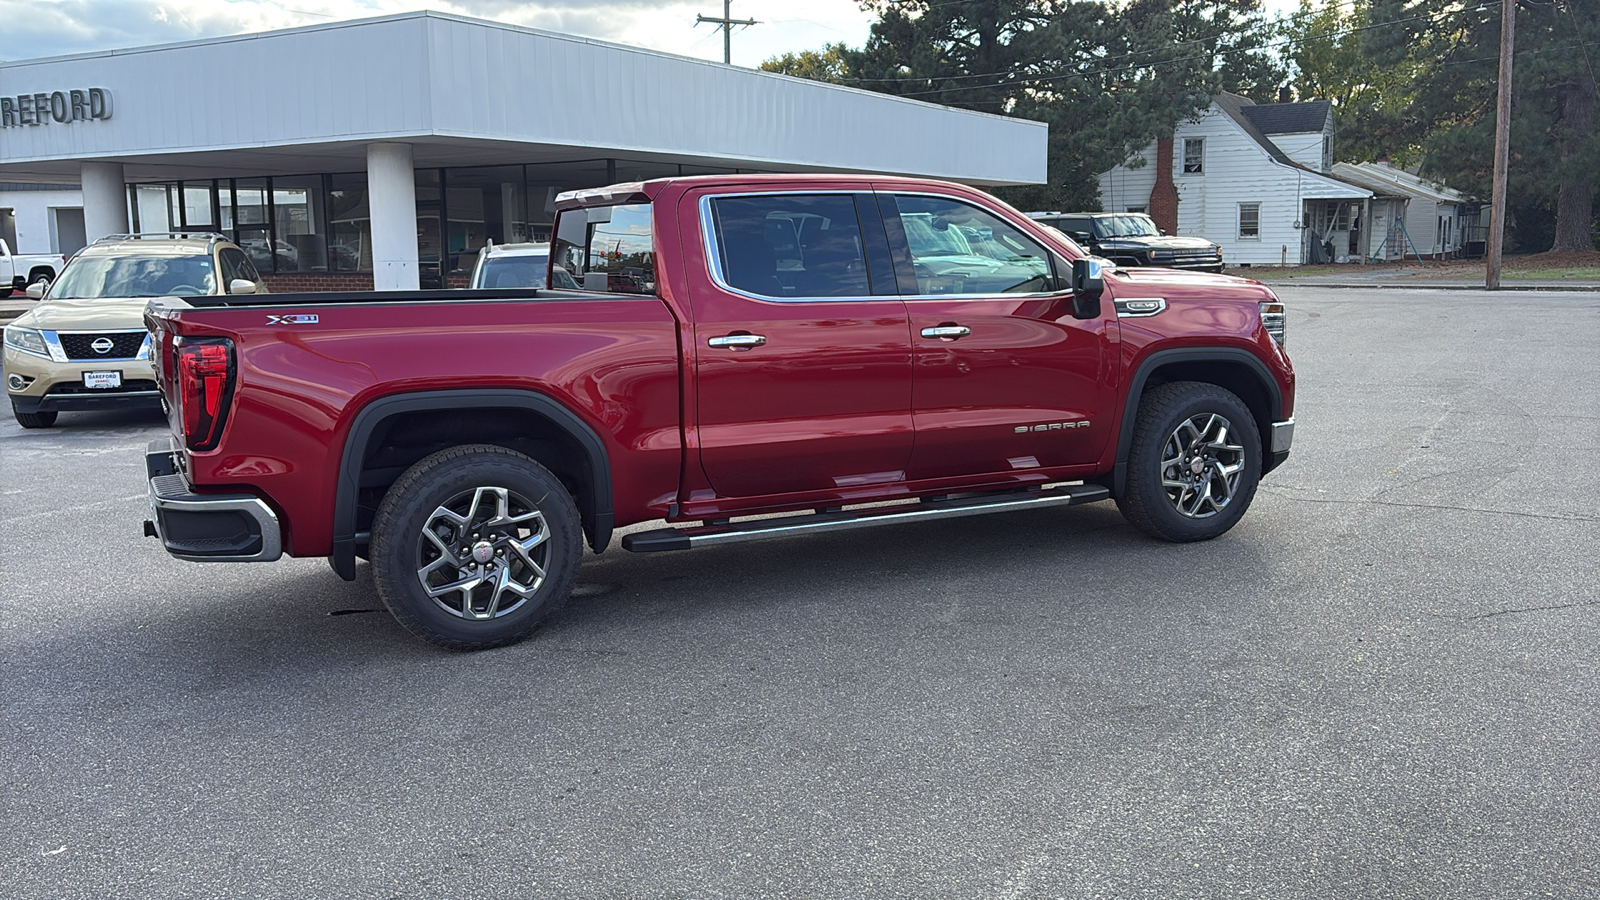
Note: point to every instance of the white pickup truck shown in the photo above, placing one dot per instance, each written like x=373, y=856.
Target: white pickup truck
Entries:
x=17, y=271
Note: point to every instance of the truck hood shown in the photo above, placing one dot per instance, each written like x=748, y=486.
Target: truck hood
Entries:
x=1175, y=284
x=1164, y=242
x=103, y=314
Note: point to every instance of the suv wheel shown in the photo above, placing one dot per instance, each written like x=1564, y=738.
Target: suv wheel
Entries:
x=474, y=546
x=42, y=419
x=1193, y=464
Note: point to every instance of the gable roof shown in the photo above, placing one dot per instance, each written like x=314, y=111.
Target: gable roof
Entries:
x=1243, y=112
x=1289, y=118
x=1233, y=106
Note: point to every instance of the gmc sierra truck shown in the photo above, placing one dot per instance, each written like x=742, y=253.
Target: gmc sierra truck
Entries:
x=841, y=351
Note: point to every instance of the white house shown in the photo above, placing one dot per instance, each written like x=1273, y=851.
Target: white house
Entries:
x=1413, y=217
x=1253, y=178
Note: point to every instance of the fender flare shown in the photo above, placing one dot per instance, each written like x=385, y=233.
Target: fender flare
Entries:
x=1130, y=409
x=343, y=554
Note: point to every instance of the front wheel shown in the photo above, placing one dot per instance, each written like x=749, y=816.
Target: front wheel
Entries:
x=43, y=419
x=1193, y=464
x=474, y=546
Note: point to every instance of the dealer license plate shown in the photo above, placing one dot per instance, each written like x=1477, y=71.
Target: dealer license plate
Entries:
x=102, y=380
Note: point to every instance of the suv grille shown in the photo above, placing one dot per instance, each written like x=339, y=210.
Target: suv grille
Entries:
x=124, y=344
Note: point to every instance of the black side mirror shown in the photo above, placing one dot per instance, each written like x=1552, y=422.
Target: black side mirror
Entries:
x=1082, y=237
x=1088, y=283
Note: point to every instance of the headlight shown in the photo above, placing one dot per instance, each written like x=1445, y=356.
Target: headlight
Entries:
x=27, y=340
x=1275, y=320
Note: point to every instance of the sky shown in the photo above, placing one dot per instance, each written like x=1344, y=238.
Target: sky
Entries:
x=35, y=28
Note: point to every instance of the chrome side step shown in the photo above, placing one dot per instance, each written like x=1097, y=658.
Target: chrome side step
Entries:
x=816, y=523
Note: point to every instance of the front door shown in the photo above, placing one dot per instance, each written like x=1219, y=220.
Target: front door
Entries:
x=802, y=367
x=1005, y=379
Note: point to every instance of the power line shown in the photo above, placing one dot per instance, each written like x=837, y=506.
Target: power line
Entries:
x=726, y=23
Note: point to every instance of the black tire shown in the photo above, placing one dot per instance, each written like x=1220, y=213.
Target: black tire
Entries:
x=42, y=419
x=1194, y=462
x=41, y=274
x=439, y=501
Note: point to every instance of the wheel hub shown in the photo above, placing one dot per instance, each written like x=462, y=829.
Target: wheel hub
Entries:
x=482, y=553
x=1201, y=465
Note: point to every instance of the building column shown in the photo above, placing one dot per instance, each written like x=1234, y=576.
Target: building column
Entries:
x=392, y=201
x=105, y=200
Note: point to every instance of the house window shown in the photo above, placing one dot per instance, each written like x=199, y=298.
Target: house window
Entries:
x=1249, y=221
x=1194, y=156
x=1137, y=209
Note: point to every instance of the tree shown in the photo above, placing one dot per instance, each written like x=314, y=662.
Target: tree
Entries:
x=1555, y=147
x=1108, y=78
x=1347, y=58
x=827, y=64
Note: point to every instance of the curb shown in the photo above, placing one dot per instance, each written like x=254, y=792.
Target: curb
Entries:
x=1433, y=286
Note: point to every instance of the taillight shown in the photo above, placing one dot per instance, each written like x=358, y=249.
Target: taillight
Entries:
x=205, y=385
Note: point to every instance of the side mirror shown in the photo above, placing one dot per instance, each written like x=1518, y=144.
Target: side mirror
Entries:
x=241, y=286
x=36, y=290
x=1088, y=283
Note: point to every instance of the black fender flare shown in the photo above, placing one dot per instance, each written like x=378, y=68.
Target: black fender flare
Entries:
x=1130, y=409
x=343, y=554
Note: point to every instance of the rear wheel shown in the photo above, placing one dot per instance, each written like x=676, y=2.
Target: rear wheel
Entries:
x=1193, y=464
x=42, y=419
x=474, y=546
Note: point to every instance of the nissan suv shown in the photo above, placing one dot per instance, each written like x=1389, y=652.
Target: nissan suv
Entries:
x=1132, y=239
x=85, y=346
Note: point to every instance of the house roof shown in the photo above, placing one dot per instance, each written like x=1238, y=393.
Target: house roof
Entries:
x=1385, y=179
x=1289, y=118
x=1244, y=113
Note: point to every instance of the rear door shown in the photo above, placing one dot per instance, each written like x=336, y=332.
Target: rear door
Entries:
x=802, y=353
x=1006, y=380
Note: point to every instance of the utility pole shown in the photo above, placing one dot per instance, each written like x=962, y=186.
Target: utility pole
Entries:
x=1502, y=145
x=726, y=24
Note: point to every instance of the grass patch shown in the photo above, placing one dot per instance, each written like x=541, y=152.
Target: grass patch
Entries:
x=1575, y=273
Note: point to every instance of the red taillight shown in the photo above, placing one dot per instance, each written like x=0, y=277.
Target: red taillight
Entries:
x=205, y=384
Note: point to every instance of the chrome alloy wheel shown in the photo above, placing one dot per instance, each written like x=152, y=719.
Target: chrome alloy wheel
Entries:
x=1200, y=466
x=483, y=553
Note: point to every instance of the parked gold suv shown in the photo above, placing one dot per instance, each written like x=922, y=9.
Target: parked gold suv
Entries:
x=84, y=345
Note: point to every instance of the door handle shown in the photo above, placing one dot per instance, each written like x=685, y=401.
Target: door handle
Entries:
x=946, y=332
x=737, y=341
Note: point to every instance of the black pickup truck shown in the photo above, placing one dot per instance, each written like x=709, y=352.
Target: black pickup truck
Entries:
x=1132, y=239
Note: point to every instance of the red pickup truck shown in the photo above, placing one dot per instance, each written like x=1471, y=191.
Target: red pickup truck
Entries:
x=843, y=350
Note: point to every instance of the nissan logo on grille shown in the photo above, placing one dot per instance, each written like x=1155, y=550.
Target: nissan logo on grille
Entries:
x=102, y=345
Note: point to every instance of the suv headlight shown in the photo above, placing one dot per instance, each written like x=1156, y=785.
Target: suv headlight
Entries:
x=27, y=340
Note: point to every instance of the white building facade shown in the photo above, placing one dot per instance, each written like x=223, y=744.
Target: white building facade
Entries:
x=385, y=152
x=1253, y=179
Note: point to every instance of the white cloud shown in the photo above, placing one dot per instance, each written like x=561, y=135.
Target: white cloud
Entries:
x=36, y=28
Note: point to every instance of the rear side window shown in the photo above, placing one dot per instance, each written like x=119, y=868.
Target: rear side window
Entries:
x=236, y=265
x=605, y=248
x=790, y=245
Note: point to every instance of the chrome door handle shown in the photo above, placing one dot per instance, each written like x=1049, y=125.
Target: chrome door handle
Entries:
x=737, y=341
x=946, y=332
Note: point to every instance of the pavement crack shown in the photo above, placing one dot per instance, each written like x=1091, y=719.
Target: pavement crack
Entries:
x=1527, y=609
x=1441, y=506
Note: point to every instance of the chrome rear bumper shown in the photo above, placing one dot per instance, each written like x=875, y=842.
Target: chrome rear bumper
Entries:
x=206, y=527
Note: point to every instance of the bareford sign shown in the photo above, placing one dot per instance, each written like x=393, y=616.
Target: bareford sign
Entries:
x=57, y=106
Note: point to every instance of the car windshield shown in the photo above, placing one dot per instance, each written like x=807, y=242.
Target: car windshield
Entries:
x=1125, y=226
x=96, y=277
x=514, y=271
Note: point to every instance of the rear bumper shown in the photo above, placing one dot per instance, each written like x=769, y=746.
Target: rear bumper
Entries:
x=206, y=527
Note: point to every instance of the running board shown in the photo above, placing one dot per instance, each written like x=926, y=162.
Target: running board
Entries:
x=816, y=523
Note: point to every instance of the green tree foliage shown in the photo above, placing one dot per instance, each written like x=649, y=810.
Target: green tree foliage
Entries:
x=1347, y=57
x=1555, y=148
x=1109, y=76
x=827, y=64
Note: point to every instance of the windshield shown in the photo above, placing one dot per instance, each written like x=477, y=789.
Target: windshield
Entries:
x=96, y=277
x=1125, y=226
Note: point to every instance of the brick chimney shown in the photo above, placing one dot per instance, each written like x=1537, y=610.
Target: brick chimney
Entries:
x=1164, y=196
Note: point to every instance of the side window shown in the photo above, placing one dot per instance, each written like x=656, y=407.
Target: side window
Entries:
x=790, y=245
x=1250, y=221
x=1194, y=156
x=606, y=248
x=957, y=248
x=236, y=265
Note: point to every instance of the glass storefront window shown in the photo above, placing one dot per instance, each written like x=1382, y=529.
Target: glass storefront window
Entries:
x=430, y=238
x=197, y=215
x=349, y=224
x=484, y=204
x=547, y=180
x=298, y=239
x=153, y=208
x=252, y=212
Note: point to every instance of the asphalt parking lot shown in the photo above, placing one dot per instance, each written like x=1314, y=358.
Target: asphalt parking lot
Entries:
x=1382, y=683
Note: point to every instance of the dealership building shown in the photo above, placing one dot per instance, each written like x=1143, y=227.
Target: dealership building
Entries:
x=385, y=152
